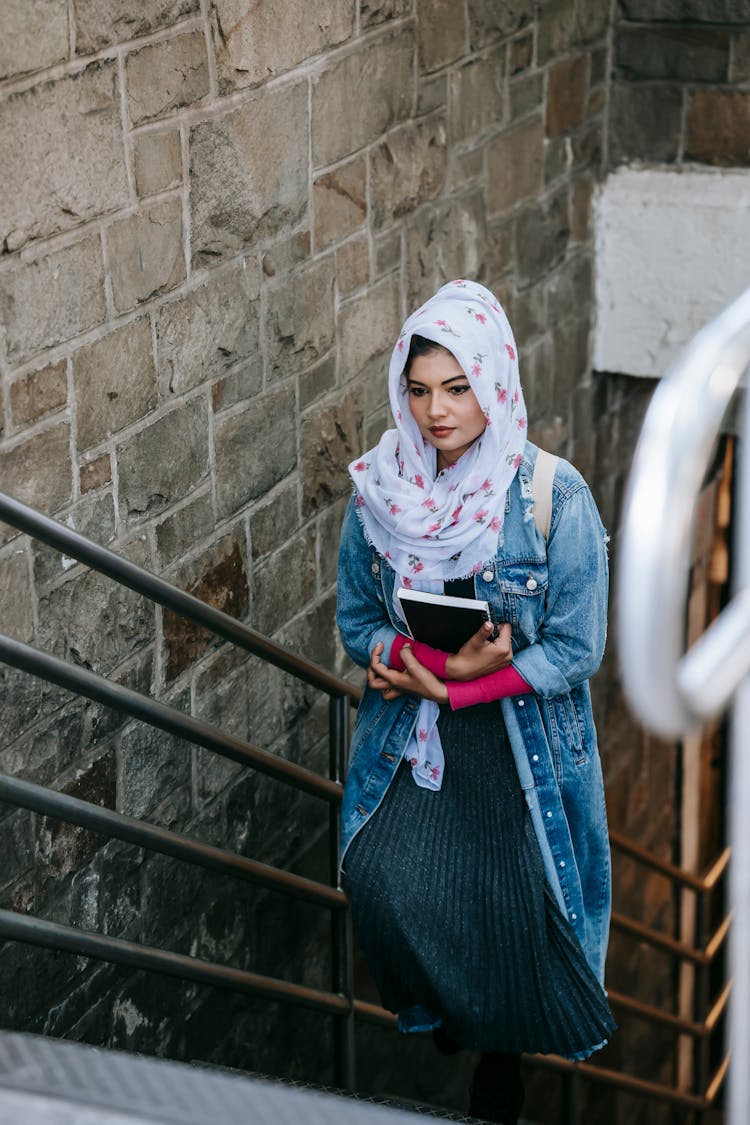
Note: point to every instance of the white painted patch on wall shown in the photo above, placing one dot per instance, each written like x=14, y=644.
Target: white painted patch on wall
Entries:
x=672, y=250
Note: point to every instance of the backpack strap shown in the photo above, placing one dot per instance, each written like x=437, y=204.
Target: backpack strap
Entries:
x=541, y=490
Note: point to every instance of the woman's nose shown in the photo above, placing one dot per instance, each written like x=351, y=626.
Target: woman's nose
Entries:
x=436, y=406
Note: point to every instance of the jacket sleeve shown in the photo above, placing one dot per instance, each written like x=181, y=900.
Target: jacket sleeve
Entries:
x=572, y=635
x=361, y=614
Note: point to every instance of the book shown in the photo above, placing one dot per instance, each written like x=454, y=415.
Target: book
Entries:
x=442, y=620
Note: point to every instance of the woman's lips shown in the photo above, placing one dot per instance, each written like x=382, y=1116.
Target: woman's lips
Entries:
x=441, y=431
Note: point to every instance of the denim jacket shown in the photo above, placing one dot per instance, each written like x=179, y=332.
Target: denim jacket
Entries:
x=554, y=594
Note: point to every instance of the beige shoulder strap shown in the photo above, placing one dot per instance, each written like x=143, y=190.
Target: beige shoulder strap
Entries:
x=541, y=490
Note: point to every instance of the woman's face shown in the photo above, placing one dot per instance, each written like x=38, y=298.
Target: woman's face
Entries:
x=443, y=405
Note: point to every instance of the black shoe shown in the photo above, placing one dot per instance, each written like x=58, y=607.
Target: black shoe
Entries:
x=496, y=1093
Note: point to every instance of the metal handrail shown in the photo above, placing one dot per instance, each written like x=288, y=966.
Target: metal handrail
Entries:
x=671, y=871
x=130, y=829
x=126, y=573
x=156, y=714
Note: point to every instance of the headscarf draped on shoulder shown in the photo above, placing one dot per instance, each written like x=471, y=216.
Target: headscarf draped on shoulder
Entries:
x=446, y=525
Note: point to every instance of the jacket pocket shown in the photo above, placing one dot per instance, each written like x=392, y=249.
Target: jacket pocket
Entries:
x=523, y=588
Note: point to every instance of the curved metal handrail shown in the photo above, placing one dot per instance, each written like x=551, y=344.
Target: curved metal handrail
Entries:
x=669, y=689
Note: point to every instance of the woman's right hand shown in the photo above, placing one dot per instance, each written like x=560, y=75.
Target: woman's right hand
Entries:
x=479, y=655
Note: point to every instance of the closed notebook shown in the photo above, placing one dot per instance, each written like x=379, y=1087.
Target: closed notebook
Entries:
x=441, y=620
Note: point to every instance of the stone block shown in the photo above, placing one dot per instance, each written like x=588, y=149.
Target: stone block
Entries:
x=243, y=382
x=447, y=242
x=567, y=93
x=330, y=437
x=163, y=462
x=500, y=248
x=284, y=584
x=465, y=167
x=537, y=378
x=255, y=449
x=258, y=39
x=99, y=23
x=542, y=233
x=52, y=298
x=718, y=127
x=180, y=531
x=701, y=11
x=598, y=66
x=592, y=21
x=286, y=254
x=94, y=517
x=157, y=159
x=442, y=33
x=221, y=699
x=387, y=252
x=314, y=382
x=683, y=54
x=329, y=533
x=38, y=393
x=526, y=94
x=94, y=622
x=558, y=158
x=586, y=145
x=47, y=191
x=739, y=67
x=571, y=356
x=353, y=265
x=407, y=169
x=37, y=470
x=275, y=521
x=153, y=764
x=514, y=166
x=218, y=577
x=358, y=97
x=373, y=12
x=15, y=594
x=208, y=330
x=580, y=208
x=64, y=848
x=368, y=327
x=340, y=202
x=432, y=94
x=299, y=318
x=488, y=22
x=249, y=172
x=477, y=96
x=35, y=35
x=556, y=31
x=166, y=76
x=521, y=53
x=95, y=474
x=114, y=383
x=146, y=254
x=644, y=122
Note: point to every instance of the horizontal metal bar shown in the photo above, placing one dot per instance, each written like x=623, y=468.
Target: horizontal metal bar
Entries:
x=715, y=943
x=661, y=941
x=54, y=935
x=126, y=573
x=615, y=1078
x=718, y=1079
x=651, y=1014
x=669, y=870
x=717, y=870
x=27, y=795
x=371, y=1013
x=156, y=714
x=718, y=1009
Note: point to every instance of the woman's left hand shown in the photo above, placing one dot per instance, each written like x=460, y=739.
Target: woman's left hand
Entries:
x=416, y=680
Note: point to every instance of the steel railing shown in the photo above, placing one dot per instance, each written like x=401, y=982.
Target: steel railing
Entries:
x=672, y=690
x=339, y=1002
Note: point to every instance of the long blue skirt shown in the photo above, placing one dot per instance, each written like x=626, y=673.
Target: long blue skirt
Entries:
x=453, y=912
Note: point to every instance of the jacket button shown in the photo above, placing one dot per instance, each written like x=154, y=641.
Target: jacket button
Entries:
x=488, y=575
x=375, y=568
x=531, y=582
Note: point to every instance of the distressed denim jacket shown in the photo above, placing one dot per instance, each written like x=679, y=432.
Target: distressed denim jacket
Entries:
x=554, y=594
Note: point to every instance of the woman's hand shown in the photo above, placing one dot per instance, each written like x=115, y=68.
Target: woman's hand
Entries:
x=416, y=680
x=480, y=655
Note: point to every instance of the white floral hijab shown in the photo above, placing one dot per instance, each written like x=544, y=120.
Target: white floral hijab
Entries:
x=446, y=525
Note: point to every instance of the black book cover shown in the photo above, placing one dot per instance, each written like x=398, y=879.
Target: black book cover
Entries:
x=441, y=620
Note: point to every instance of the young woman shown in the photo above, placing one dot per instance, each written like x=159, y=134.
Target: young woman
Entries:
x=474, y=832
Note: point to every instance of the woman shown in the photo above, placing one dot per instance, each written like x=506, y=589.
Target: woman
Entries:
x=474, y=832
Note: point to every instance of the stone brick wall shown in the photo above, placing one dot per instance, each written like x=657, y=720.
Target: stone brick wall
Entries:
x=681, y=83
x=215, y=215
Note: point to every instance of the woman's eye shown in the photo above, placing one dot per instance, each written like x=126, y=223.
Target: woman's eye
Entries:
x=460, y=390
x=417, y=392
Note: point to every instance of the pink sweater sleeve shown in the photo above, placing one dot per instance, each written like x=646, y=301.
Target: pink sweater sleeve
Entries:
x=432, y=658
x=486, y=689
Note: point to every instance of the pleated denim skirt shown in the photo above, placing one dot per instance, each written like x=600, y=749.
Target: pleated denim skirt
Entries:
x=452, y=910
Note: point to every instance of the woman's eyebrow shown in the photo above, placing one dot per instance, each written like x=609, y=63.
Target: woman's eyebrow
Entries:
x=444, y=383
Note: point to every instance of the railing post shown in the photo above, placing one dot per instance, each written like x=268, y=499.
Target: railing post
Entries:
x=701, y=986
x=570, y=1098
x=342, y=944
